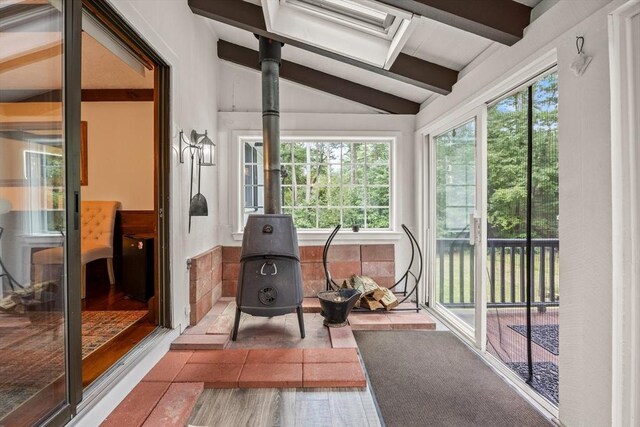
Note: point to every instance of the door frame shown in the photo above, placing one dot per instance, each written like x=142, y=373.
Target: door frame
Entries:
x=162, y=152
x=477, y=333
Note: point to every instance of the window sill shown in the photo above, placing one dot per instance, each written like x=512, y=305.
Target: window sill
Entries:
x=342, y=236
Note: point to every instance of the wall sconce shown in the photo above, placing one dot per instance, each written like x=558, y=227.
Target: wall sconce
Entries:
x=201, y=142
x=202, y=147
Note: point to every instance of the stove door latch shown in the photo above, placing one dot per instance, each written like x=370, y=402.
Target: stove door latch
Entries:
x=275, y=269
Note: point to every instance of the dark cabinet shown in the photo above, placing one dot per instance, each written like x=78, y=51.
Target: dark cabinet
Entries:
x=137, y=266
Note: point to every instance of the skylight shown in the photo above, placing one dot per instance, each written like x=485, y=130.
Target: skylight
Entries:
x=349, y=11
x=365, y=30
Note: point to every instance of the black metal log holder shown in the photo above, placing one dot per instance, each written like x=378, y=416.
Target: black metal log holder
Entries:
x=406, y=293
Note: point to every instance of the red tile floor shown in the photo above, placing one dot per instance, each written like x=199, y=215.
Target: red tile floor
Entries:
x=269, y=353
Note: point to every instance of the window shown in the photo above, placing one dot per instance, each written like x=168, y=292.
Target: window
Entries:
x=369, y=16
x=45, y=176
x=455, y=175
x=326, y=182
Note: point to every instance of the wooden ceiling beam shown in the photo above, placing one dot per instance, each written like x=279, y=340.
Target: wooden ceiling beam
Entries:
x=321, y=81
x=249, y=17
x=502, y=21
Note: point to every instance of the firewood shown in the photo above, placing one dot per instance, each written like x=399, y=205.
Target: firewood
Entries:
x=371, y=304
x=389, y=300
x=346, y=285
x=378, y=294
x=364, y=284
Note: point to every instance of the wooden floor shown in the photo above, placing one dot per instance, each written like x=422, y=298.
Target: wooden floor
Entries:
x=102, y=296
x=284, y=407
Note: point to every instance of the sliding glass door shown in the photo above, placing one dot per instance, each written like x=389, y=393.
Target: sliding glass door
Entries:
x=455, y=197
x=523, y=291
x=37, y=239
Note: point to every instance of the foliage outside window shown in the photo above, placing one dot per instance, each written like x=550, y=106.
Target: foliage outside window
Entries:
x=326, y=182
x=507, y=153
x=45, y=176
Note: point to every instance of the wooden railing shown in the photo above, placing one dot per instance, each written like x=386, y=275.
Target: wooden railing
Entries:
x=506, y=285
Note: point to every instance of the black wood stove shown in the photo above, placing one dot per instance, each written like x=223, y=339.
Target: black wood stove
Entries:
x=270, y=278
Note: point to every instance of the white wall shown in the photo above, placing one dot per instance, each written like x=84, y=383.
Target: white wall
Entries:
x=120, y=150
x=241, y=90
x=585, y=192
x=188, y=44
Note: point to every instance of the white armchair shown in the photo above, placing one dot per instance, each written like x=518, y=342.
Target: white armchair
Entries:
x=97, y=221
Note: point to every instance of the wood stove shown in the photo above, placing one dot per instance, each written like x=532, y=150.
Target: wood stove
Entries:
x=270, y=278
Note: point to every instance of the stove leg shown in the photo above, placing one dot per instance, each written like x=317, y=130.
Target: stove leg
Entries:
x=300, y=321
x=236, y=324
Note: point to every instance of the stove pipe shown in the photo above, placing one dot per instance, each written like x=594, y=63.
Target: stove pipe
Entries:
x=270, y=63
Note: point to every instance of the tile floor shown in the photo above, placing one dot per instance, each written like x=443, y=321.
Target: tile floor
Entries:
x=268, y=355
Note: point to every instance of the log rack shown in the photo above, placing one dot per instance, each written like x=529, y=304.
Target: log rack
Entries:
x=409, y=279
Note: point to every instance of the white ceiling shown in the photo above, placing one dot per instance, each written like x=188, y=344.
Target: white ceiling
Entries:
x=431, y=41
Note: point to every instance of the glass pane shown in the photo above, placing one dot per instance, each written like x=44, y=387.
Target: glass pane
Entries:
x=507, y=145
x=32, y=215
x=455, y=201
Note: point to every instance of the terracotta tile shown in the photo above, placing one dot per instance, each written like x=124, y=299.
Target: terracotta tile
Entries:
x=330, y=355
x=168, y=367
x=200, y=342
x=230, y=271
x=344, y=270
x=222, y=326
x=220, y=357
x=312, y=271
x=333, y=375
x=369, y=322
x=311, y=253
x=344, y=253
x=312, y=287
x=203, y=265
x=342, y=337
x=271, y=375
x=201, y=308
x=211, y=374
x=174, y=408
x=275, y=355
x=229, y=288
x=202, y=286
x=311, y=305
x=385, y=282
x=216, y=256
x=379, y=268
x=377, y=252
x=216, y=293
x=231, y=253
x=216, y=273
x=419, y=321
x=136, y=407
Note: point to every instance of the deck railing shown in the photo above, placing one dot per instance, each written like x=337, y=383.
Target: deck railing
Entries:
x=506, y=285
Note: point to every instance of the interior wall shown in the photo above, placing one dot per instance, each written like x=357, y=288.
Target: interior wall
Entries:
x=585, y=192
x=241, y=91
x=120, y=150
x=188, y=45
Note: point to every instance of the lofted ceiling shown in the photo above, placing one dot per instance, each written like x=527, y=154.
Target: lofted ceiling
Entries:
x=449, y=44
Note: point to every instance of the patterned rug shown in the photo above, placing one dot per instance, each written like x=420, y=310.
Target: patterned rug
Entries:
x=545, y=377
x=546, y=336
x=32, y=348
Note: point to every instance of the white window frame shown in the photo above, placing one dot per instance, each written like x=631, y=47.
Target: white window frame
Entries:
x=238, y=138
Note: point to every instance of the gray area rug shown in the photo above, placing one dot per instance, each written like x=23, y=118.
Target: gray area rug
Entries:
x=433, y=379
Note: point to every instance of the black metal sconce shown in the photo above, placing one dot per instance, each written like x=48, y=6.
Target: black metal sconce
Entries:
x=202, y=147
